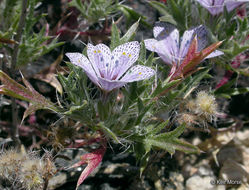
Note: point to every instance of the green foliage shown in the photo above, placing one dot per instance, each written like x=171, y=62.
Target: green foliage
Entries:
x=131, y=119
x=169, y=141
x=129, y=35
x=95, y=10
x=32, y=45
x=175, y=12
x=139, y=114
x=78, y=99
x=132, y=15
x=228, y=90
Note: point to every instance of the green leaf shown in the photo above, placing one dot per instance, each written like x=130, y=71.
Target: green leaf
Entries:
x=178, y=13
x=158, y=128
x=168, y=18
x=233, y=92
x=237, y=48
x=133, y=15
x=76, y=108
x=193, y=81
x=143, y=163
x=129, y=35
x=140, y=105
x=223, y=89
x=172, y=134
x=159, y=6
x=103, y=110
x=142, y=55
x=28, y=93
x=170, y=142
x=115, y=37
x=150, y=60
x=108, y=132
x=142, y=113
x=165, y=86
x=162, y=8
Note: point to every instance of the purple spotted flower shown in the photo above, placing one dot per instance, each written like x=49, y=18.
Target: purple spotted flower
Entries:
x=216, y=7
x=171, y=48
x=111, y=70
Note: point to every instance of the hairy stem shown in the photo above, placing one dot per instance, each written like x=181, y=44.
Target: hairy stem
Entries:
x=17, y=38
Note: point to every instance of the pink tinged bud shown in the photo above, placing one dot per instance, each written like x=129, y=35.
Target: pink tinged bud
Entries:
x=92, y=160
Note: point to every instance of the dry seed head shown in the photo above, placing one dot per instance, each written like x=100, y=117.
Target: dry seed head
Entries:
x=31, y=174
x=10, y=164
x=187, y=118
x=191, y=105
x=206, y=105
x=25, y=171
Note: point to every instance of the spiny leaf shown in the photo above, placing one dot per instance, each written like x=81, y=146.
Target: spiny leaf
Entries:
x=170, y=142
x=30, y=110
x=28, y=93
x=142, y=55
x=159, y=6
x=160, y=127
x=115, y=37
x=177, y=12
x=172, y=134
x=129, y=35
x=133, y=15
x=165, y=86
x=108, y=132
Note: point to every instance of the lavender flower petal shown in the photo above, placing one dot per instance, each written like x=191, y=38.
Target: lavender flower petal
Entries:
x=81, y=61
x=108, y=85
x=231, y=5
x=189, y=35
x=213, y=6
x=138, y=73
x=202, y=38
x=105, y=68
x=150, y=44
x=216, y=7
x=122, y=58
x=162, y=30
x=187, y=38
x=167, y=42
x=161, y=48
x=99, y=57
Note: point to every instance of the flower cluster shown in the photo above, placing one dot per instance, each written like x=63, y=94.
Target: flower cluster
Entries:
x=216, y=7
x=112, y=69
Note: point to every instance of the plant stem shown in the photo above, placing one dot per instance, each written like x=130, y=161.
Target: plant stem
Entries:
x=45, y=186
x=17, y=38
